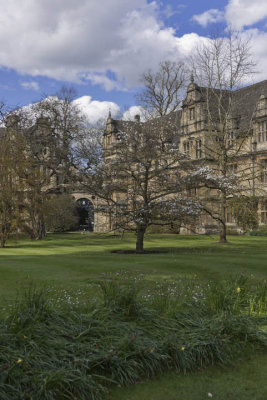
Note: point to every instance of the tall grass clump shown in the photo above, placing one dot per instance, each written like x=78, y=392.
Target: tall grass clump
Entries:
x=120, y=298
x=54, y=353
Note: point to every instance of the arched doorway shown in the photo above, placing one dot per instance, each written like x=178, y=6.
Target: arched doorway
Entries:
x=85, y=209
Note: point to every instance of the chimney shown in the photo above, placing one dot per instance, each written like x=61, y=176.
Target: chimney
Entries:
x=137, y=118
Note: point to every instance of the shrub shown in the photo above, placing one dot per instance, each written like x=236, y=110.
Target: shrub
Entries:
x=61, y=214
x=261, y=231
x=232, y=231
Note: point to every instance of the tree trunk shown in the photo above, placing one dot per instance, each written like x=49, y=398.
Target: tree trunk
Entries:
x=223, y=218
x=140, y=239
x=41, y=232
x=223, y=234
x=3, y=240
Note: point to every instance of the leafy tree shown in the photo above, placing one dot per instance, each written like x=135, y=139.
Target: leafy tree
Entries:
x=50, y=130
x=11, y=187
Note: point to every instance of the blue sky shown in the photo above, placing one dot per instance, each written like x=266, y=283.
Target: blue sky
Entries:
x=102, y=47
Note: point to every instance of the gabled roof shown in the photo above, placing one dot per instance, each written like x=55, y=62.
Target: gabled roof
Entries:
x=244, y=105
x=245, y=102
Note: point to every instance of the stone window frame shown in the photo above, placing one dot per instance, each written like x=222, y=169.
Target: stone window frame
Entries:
x=186, y=145
x=231, y=138
x=192, y=113
x=198, y=149
x=232, y=169
x=229, y=217
x=262, y=131
x=263, y=170
x=263, y=212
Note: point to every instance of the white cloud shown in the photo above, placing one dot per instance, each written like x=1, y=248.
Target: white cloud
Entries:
x=32, y=85
x=169, y=11
x=96, y=111
x=241, y=13
x=101, y=79
x=238, y=14
x=129, y=115
x=209, y=17
x=93, y=110
x=107, y=42
x=187, y=43
x=258, y=51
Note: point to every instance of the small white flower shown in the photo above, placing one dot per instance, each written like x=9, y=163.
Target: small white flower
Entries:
x=210, y=394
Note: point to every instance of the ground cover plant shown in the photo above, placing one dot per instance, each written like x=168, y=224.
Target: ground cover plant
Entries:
x=130, y=333
x=98, y=319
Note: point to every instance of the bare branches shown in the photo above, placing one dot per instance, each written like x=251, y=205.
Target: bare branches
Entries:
x=163, y=89
x=222, y=66
x=224, y=62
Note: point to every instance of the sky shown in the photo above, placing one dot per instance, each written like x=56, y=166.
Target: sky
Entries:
x=102, y=47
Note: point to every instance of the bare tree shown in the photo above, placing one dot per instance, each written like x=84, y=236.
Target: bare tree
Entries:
x=162, y=89
x=222, y=66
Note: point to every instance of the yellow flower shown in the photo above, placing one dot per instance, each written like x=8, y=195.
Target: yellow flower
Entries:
x=238, y=290
x=19, y=361
x=25, y=337
x=152, y=350
x=183, y=348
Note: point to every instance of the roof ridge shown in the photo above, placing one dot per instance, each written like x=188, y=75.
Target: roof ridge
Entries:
x=253, y=85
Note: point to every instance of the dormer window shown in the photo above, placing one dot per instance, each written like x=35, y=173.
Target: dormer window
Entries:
x=192, y=113
x=262, y=136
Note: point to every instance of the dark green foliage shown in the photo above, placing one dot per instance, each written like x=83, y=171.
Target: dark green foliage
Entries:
x=245, y=211
x=50, y=353
x=61, y=214
x=261, y=231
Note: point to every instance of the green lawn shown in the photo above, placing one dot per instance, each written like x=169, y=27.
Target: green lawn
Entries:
x=244, y=380
x=70, y=261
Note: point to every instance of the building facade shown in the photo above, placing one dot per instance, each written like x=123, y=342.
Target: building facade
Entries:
x=221, y=129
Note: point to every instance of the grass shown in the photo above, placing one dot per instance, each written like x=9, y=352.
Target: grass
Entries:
x=245, y=379
x=71, y=266
x=68, y=261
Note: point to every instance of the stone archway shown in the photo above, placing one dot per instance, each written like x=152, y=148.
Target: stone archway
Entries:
x=85, y=209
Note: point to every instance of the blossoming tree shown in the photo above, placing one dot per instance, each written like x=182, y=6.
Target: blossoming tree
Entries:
x=142, y=180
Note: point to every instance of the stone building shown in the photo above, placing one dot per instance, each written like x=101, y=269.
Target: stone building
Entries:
x=197, y=125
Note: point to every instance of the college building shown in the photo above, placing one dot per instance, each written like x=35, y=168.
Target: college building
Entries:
x=209, y=123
